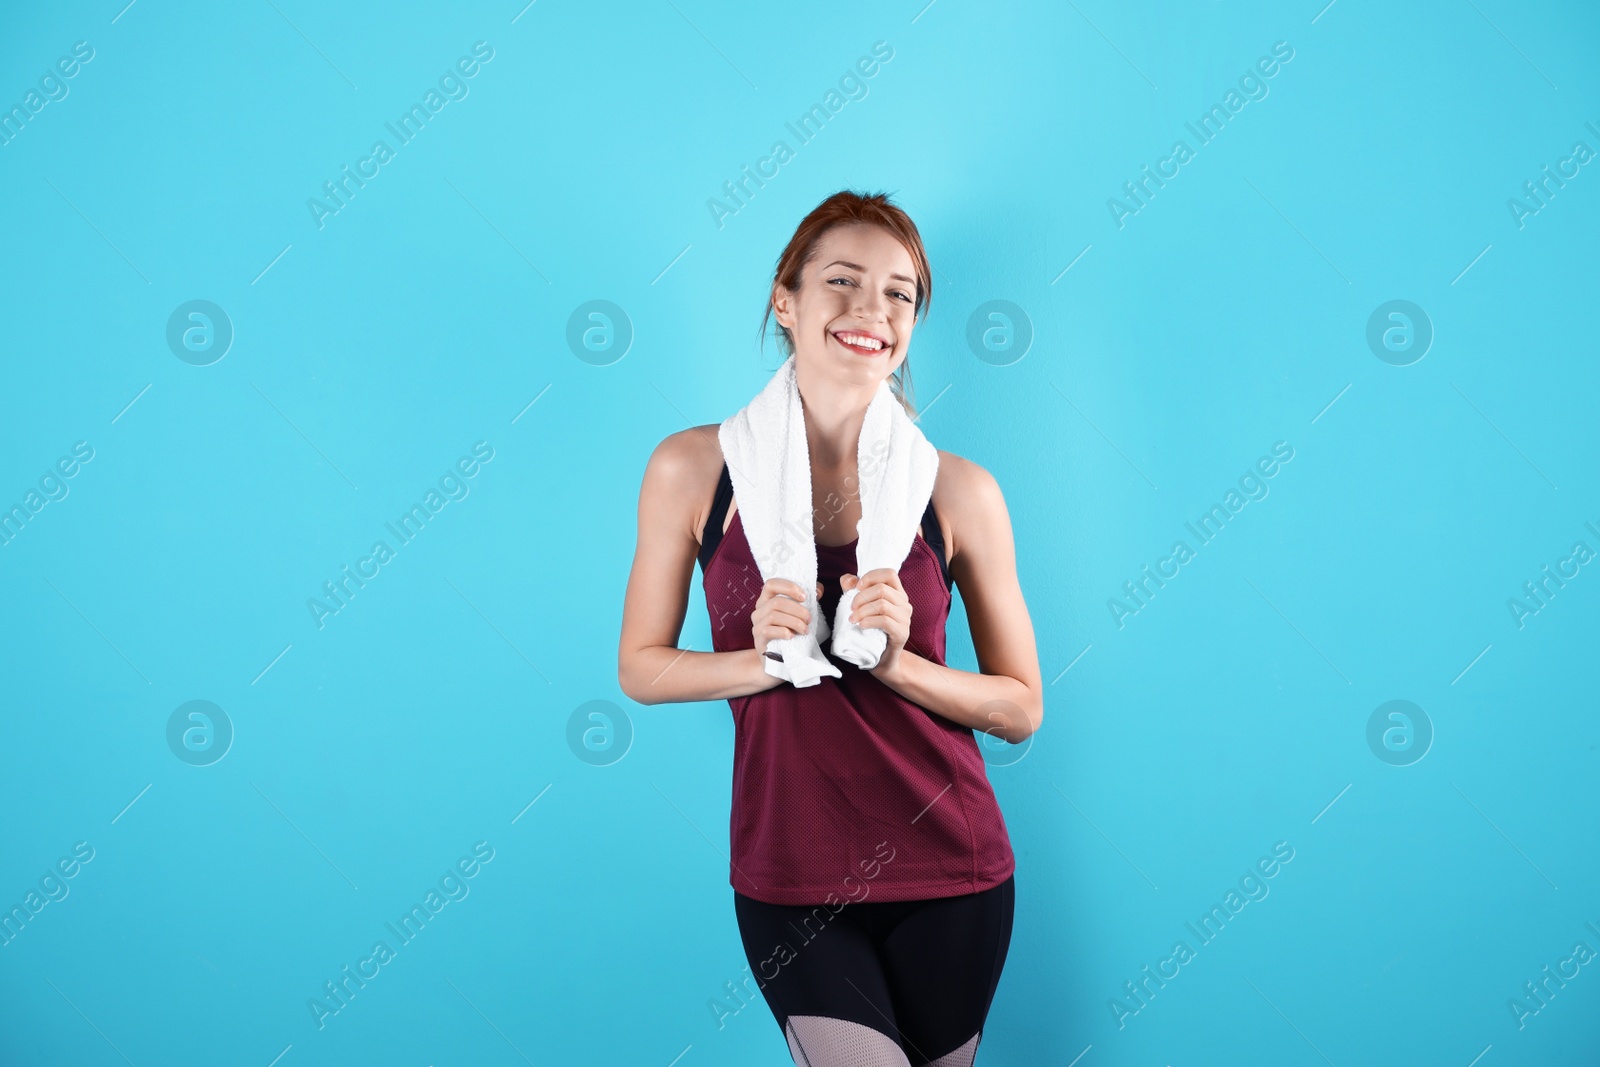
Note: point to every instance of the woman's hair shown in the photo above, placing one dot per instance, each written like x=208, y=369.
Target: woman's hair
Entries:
x=841, y=209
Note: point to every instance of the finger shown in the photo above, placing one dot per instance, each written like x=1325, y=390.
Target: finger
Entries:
x=883, y=611
x=792, y=627
x=879, y=594
x=785, y=615
x=777, y=601
x=785, y=588
x=874, y=615
x=779, y=633
x=783, y=607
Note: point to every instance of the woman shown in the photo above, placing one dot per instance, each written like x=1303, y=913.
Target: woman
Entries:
x=872, y=872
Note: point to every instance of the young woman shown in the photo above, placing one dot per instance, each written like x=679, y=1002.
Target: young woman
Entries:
x=872, y=872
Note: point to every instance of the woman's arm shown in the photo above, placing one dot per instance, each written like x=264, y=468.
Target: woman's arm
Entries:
x=1007, y=697
x=651, y=669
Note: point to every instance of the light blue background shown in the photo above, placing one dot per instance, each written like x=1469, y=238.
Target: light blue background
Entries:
x=431, y=312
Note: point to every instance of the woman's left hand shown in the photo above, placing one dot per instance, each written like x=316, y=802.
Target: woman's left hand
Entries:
x=881, y=604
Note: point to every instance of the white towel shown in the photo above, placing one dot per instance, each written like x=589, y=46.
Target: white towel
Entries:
x=769, y=463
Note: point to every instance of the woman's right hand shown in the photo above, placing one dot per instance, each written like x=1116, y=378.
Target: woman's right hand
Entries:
x=780, y=613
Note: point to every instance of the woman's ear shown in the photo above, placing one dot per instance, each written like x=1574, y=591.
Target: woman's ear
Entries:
x=781, y=304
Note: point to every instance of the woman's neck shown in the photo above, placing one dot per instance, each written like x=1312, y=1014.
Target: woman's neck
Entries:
x=833, y=426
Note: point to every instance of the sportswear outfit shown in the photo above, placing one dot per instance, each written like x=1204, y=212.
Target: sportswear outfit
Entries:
x=864, y=835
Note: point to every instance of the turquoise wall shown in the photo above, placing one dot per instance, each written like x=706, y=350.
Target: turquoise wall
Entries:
x=1351, y=320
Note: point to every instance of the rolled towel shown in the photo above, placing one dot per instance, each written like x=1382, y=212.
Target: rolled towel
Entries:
x=764, y=445
x=895, y=466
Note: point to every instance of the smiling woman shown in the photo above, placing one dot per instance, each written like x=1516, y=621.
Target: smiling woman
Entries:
x=832, y=774
x=839, y=276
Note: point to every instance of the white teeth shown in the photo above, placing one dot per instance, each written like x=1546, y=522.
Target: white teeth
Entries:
x=859, y=341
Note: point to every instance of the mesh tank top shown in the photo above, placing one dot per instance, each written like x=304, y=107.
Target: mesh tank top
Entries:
x=846, y=790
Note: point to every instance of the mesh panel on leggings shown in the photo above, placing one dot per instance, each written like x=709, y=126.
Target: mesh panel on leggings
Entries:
x=961, y=1057
x=819, y=1041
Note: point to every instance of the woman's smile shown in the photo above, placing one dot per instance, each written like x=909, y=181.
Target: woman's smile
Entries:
x=851, y=340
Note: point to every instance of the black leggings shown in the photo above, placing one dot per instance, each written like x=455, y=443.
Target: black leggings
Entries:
x=922, y=972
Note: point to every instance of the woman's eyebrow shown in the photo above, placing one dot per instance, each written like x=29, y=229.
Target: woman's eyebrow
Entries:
x=863, y=270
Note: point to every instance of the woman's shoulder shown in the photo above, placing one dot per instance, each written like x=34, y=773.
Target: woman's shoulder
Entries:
x=695, y=446
x=961, y=483
x=964, y=492
x=685, y=468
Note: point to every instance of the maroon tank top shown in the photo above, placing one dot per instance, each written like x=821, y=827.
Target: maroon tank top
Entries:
x=845, y=789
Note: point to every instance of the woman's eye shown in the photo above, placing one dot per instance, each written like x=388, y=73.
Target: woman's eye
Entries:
x=850, y=281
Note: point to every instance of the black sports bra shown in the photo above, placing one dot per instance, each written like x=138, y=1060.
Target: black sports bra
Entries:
x=712, y=535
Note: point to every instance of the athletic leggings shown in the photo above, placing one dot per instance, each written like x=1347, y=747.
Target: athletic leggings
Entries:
x=880, y=983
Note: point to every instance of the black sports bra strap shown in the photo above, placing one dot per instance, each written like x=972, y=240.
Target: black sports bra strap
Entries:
x=935, y=539
x=711, y=536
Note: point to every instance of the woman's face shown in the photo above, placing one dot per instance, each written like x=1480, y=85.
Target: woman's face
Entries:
x=859, y=287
